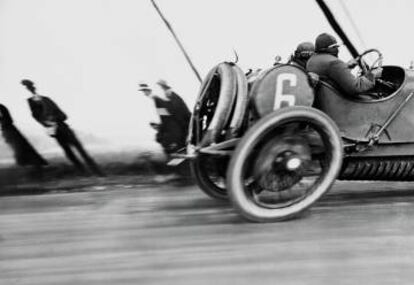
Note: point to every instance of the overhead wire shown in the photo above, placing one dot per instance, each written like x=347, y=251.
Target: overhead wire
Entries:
x=351, y=20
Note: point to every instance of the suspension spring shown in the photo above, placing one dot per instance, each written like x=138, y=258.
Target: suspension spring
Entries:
x=378, y=168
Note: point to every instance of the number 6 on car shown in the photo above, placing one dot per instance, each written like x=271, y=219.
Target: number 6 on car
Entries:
x=284, y=86
x=280, y=97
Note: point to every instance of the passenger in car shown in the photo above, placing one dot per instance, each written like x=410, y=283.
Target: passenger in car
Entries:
x=302, y=54
x=327, y=65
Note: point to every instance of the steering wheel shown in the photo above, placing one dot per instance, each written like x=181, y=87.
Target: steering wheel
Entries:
x=365, y=68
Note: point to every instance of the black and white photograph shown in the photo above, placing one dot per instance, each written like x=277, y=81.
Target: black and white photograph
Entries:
x=206, y=142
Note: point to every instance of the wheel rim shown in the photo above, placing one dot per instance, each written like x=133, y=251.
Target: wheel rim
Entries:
x=206, y=109
x=210, y=174
x=256, y=202
x=273, y=184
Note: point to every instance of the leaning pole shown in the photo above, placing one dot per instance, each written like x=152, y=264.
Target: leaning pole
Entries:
x=337, y=28
x=177, y=40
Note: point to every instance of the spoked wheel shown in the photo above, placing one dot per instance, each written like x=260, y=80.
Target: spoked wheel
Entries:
x=210, y=172
x=284, y=163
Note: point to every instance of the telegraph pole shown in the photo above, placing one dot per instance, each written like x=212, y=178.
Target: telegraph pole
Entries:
x=177, y=40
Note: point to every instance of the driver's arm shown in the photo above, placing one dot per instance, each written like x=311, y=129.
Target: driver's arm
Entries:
x=352, y=63
x=341, y=75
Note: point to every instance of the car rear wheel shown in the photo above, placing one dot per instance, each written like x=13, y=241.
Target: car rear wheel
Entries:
x=284, y=163
x=209, y=172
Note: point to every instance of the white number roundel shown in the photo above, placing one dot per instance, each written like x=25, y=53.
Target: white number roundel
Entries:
x=280, y=97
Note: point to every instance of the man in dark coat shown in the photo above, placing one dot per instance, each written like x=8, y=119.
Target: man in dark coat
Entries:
x=178, y=109
x=326, y=64
x=24, y=153
x=172, y=130
x=48, y=114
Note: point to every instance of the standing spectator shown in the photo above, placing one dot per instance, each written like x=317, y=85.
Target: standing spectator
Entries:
x=170, y=133
x=178, y=110
x=24, y=153
x=48, y=114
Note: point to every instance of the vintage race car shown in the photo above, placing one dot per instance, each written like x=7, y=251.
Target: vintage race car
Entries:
x=276, y=143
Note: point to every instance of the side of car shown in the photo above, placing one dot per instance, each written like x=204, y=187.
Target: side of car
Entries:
x=283, y=154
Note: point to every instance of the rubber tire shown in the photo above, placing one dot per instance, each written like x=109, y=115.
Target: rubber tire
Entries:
x=204, y=181
x=239, y=118
x=226, y=99
x=235, y=181
x=231, y=86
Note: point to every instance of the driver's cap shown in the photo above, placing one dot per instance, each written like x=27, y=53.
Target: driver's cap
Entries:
x=305, y=50
x=324, y=41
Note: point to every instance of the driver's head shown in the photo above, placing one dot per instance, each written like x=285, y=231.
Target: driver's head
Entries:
x=304, y=51
x=326, y=43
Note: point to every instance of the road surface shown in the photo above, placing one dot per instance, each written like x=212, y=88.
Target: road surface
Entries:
x=362, y=233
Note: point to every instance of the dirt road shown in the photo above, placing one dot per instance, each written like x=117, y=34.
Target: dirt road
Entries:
x=362, y=233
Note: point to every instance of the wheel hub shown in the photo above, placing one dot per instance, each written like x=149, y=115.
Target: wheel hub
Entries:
x=280, y=162
x=293, y=163
x=288, y=160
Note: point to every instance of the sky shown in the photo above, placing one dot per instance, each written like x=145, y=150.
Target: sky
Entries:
x=90, y=55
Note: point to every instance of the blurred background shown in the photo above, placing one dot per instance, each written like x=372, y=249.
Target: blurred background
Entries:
x=89, y=56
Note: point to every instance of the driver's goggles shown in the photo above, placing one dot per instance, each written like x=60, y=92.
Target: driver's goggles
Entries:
x=336, y=45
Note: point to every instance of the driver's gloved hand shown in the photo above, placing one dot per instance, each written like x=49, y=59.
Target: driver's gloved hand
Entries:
x=352, y=63
x=376, y=72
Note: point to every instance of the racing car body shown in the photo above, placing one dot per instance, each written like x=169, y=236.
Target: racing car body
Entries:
x=276, y=147
x=275, y=142
x=356, y=118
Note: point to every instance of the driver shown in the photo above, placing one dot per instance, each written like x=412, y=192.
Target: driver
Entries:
x=302, y=54
x=326, y=64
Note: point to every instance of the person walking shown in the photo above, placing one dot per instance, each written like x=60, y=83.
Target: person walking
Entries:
x=169, y=131
x=24, y=153
x=178, y=111
x=47, y=113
